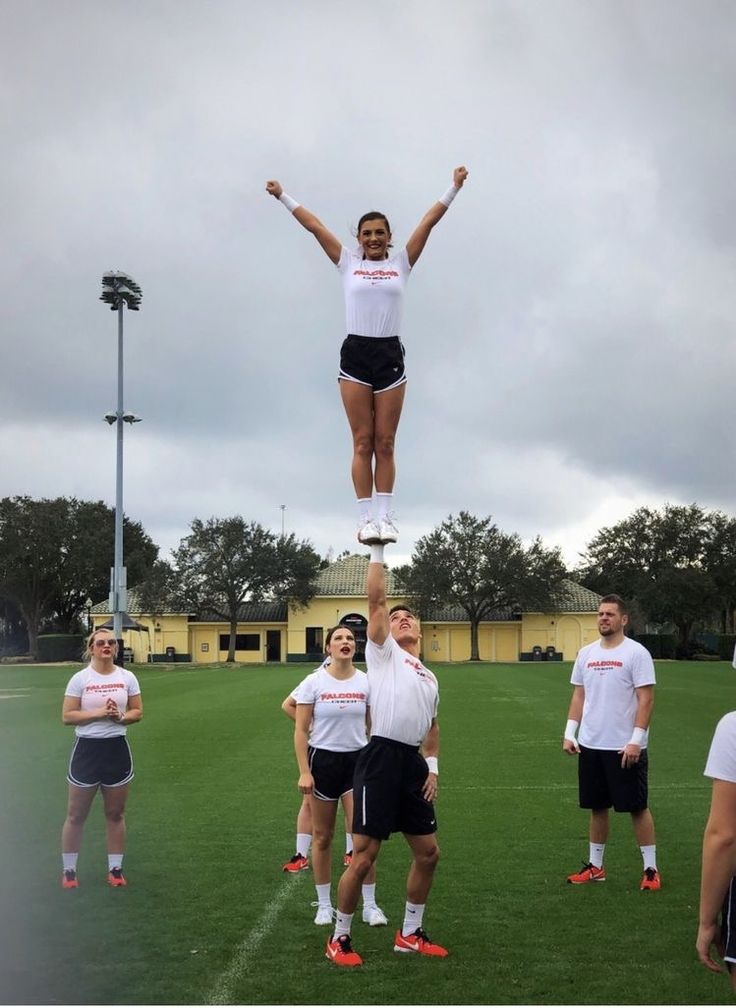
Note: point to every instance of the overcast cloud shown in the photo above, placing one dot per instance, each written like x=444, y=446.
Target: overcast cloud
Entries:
x=569, y=328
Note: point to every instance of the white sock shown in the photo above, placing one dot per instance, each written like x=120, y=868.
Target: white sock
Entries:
x=383, y=504
x=343, y=923
x=69, y=861
x=323, y=895
x=303, y=840
x=413, y=917
x=114, y=861
x=365, y=509
x=348, y=843
x=596, y=854
x=369, y=896
x=649, y=855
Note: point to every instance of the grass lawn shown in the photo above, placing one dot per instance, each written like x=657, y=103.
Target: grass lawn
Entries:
x=209, y=917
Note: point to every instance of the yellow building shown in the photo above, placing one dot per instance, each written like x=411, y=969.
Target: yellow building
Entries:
x=275, y=631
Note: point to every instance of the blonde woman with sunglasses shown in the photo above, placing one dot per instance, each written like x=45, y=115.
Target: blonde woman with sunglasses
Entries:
x=100, y=701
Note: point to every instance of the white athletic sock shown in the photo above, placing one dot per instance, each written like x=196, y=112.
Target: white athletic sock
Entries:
x=323, y=895
x=69, y=861
x=114, y=861
x=365, y=509
x=413, y=917
x=596, y=854
x=369, y=896
x=383, y=504
x=348, y=843
x=343, y=923
x=303, y=840
x=649, y=855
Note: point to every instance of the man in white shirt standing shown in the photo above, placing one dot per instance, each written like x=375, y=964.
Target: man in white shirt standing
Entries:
x=612, y=700
x=395, y=784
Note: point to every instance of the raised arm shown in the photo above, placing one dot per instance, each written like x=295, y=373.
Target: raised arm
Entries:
x=378, y=624
x=306, y=218
x=415, y=245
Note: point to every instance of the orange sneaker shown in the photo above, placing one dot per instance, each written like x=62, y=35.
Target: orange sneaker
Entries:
x=650, y=879
x=69, y=879
x=340, y=951
x=589, y=874
x=296, y=863
x=348, y=859
x=116, y=878
x=417, y=941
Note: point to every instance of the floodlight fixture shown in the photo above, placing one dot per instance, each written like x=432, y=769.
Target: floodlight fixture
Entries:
x=119, y=289
x=110, y=417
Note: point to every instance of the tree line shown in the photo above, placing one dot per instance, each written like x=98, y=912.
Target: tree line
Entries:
x=676, y=565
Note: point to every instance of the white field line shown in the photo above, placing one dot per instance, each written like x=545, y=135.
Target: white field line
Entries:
x=12, y=696
x=690, y=786
x=222, y=991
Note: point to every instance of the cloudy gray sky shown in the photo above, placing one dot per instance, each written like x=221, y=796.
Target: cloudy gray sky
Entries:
x=569, y=328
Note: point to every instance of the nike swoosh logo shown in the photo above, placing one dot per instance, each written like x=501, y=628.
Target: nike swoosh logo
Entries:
x=412, y=945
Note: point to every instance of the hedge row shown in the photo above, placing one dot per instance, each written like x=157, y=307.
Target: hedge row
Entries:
x=60, y=647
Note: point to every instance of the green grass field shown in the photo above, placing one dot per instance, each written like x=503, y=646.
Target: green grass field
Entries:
x=209, y=917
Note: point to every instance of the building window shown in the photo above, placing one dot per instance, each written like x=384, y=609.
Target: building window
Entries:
x=315, y=640
x=243, y=642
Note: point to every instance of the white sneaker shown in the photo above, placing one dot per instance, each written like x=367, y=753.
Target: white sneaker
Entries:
x=324, y=915
x=374, y=916
x=388, y=531
x=369, y=534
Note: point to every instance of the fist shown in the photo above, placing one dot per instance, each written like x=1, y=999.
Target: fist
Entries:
x=459, y=176
x=274, y=188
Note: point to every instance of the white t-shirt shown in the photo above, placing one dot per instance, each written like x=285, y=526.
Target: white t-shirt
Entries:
x=374, y=292
x=734, y=657
x=610, y=677
x=95, y=690
x=721, y=762
x=338, y=718
x=404, y=693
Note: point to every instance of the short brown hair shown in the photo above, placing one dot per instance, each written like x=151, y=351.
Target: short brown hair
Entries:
x=616, y=600
x=401, y=608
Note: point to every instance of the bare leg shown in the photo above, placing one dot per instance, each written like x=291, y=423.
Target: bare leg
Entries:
x=598, y=831
x=387, y=413
x=421, y=872
x=358, y=402
x=347, y=804
x=80, y=802
x=304, y=817
x=114, y=799
x=323, y=829
x=365, y=852
x=643, y=827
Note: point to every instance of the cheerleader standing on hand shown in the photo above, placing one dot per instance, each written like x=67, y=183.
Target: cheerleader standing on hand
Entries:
x=372, y=375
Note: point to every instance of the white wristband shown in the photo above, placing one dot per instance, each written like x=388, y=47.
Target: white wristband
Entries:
x=377, y=553
x=570, y=728
x=289, y=203
x=432, y=765
x=638, y=737
x=449, y=196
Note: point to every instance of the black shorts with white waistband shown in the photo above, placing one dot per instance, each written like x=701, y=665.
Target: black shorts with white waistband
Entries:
x=377, y=361
x=332, y=772
x=728, y=926
x=603, y=782
x=100, y=761
x=387, y=791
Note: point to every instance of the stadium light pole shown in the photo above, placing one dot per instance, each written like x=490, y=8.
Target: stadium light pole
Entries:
x=283, y=512
x=119, y=291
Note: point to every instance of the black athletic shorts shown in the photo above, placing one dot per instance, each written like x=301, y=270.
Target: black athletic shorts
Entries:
x=603, y=782
x=387, y=795
x=728, y=926
x=105, y=761
x=377, y=361
x=332, y=772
